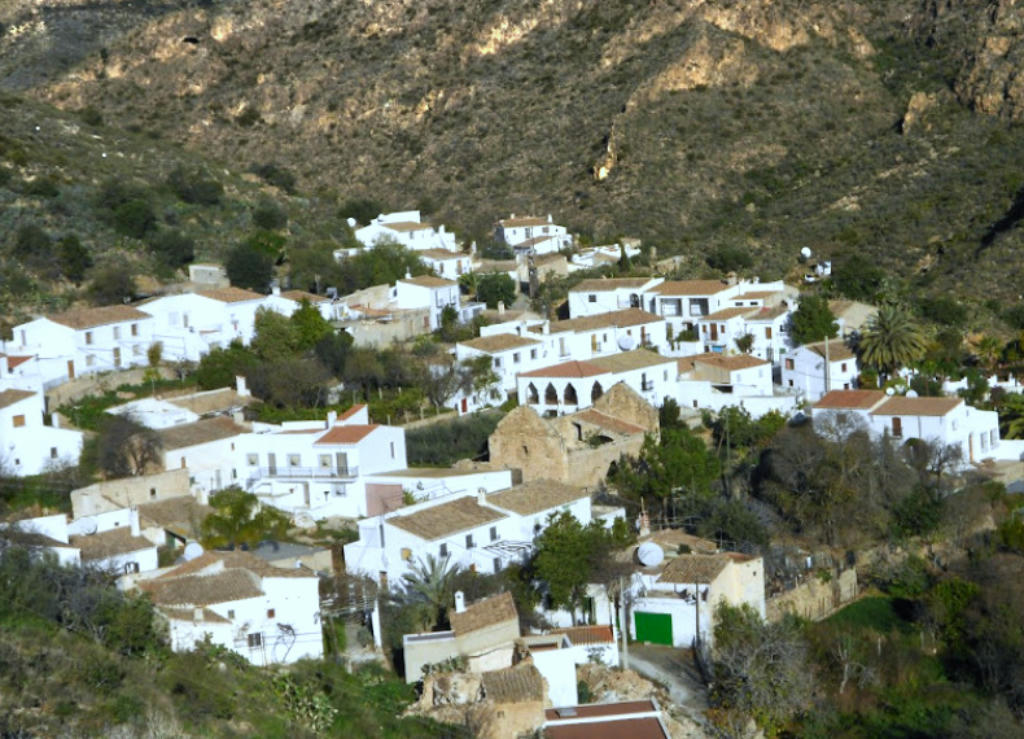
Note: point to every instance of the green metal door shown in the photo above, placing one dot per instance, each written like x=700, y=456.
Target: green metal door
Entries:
x=655, y=628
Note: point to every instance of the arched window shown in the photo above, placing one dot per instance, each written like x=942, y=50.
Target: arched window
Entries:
x=596, y=392
x=550, y=395
x=531, y=394
x=570, y=395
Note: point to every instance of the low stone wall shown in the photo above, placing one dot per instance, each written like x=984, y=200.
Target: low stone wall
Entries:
x=815, y=599
x=98, y=384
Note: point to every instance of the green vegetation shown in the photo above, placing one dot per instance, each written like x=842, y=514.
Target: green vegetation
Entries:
x=445, y=442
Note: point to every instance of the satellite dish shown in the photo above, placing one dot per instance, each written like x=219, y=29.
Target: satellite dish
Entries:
x=650, y=554
x=889, y=391
x=89, y=527
x=192, y=550
x=626, y=343
x=911, y=393
x=351, y=222
x=805, y=253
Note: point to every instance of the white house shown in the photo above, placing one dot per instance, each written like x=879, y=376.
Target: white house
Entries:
x=188, y=325
x=603, y=295
x=530, y=234
x=268, y=615
x=287, y=302
x=427, y=291
x=509, y=353
x=804, y=370
x=485, y=532
x=320, y=468
x=42, y=535
x=947, y=421
x=84, y=341
x=113, y=541
x=449, y=265
x=406, y=228
x=572, y=386
x=601, y=334
x=27, y=446
x=714, y=381
x=206, y=449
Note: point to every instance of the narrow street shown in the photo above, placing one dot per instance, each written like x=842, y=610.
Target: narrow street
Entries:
x=675, y=669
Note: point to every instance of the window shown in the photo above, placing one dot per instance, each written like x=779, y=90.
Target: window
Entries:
x=183, y=463
x=152, y=493
x=515, y=358
x=325, y=461
x=136, y=351
x=392, y=450
x=271, y=613
x=842, y=367
x=406, y=554
x=117, y=333
x=53, y=452
x=533, y=354
x=897, y=427
x=293, y=460
x=497, y=564
x=469, y=541
x=993, y=438
x=768, y=332
x=131, y=568
x=592, y=298
x=252, y=459
x=231, y=613
x=494, y=533
x=88, y=337
x=19, y=420
x=536, y=527
x=790, y=384
x=444, y=550
x=497, y=363
x=232, y=446
x=255, y=640
x=789, y=364
x=135, y=329
x=90, y=360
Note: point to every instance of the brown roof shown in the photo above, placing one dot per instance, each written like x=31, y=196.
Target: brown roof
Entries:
x=520, y=684
x=202, y=590
x=299, y=295
x=726, y=313
x=567, y=369
x=212, y=401
x=189, y=614
x=440, y=254
x=15, y=361
x=535, y=240
x=233, y=561
x=10, y=397
x=229, y=294
x=611, y=283
x=599, y=710
x=644, y=727
x=405, y=226
x=901, y=405
x=858, y=399
x=523, y=221
x=351, y=411
x=79, y=318
x=725, y=361
x=769, y=313
x=348, y=434
x=447, y=518
x=609, y=422
x=491, y=265
x=498, y=342
x=693, y=568
x=583, y=635
x=535, y=496
x=836, y=350
x=435, y=472
x=691, y=287
x=428, y=281
x=616, y=318
x=182, y=515
x=200, y=432
x=757, y=295
x=625, y=361
x=108, y=543
x=487, y=612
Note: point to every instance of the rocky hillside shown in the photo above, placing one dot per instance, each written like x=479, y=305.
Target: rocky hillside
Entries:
x=886, y=128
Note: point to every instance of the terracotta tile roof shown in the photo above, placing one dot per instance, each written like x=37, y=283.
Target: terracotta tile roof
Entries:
x=348, y=434
x=625, y=361
x=520, y=684
x=10, y=397
x=691, y=287
x=181, y=515
x=693, y=568
x=612, y=319
x=900, y=405
x=16, y=361
x=81, y=318
x=852, y=399
x=757, y=295
x=487, y=612
x=609, y=422
x=598, y=710
x=499, y=342
x=299, y=295
x=727, y=313
x=535, y=496
x=212, y=401
x=202, y=590
x=488, y=265
x=837, y=350
x=440, y=254
x=229, y=294
x=231, y=561
x=445, y=519
x=520, y=221
x=189, y=614
x=642, y=727
x=351, y=411
x=769, y=313
x=611, y=283
x=567, y=369
x=406, y=226
x=108, y=543
x=429, y=281
x=729, y=362
x=200, y=432
x=584, y=635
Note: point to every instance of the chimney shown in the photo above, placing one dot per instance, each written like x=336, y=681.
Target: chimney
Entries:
x=460, y=601
x=238, y=417
x=501, y=307
x=197, y=614
x=241, y=386
x=511, y=215
x=550, y=219
x=481, y=496
x=546, y=326
x=55, y=420
x=408, y=274
x=275, y=290
x=332, y=418
x=133, y=518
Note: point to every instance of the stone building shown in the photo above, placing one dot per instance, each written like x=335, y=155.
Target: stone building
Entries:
x=576, y=449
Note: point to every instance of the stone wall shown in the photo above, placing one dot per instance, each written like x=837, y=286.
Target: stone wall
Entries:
x=622, y=402
x=815, y=599
x=99, y=384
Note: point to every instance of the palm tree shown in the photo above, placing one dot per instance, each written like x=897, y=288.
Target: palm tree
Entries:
x=892, y=339
x=430, y=585
x=989, y=351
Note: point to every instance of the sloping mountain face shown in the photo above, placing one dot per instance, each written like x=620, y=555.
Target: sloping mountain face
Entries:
x=883, y=128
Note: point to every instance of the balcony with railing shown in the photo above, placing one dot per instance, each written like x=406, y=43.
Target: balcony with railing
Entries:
x=303, y=473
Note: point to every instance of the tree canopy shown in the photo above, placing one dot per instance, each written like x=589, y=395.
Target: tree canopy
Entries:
x=812, y=321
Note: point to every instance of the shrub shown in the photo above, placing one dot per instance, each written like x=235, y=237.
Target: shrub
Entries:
x=269, y=216
x=135, y=218
x=174, y=248
x=91, y=116
x=275, y=175
x=44, y=187
x=113, y=283
x=447, y=442
x=248, y=117
x=73, y=259
x=363, y=210
x=729, y=259
x=193, y=187
x=249, y=267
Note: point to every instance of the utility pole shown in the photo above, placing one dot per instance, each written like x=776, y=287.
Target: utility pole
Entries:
x=827, y=367
x=624, y=626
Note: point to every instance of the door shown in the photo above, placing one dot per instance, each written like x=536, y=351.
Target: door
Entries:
x=341, y=460
x=465, y=405
x=654, y=628
x=71, y=369
x=117, y=357
x=897, y=427
x=272, y=463
x=714, y=332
